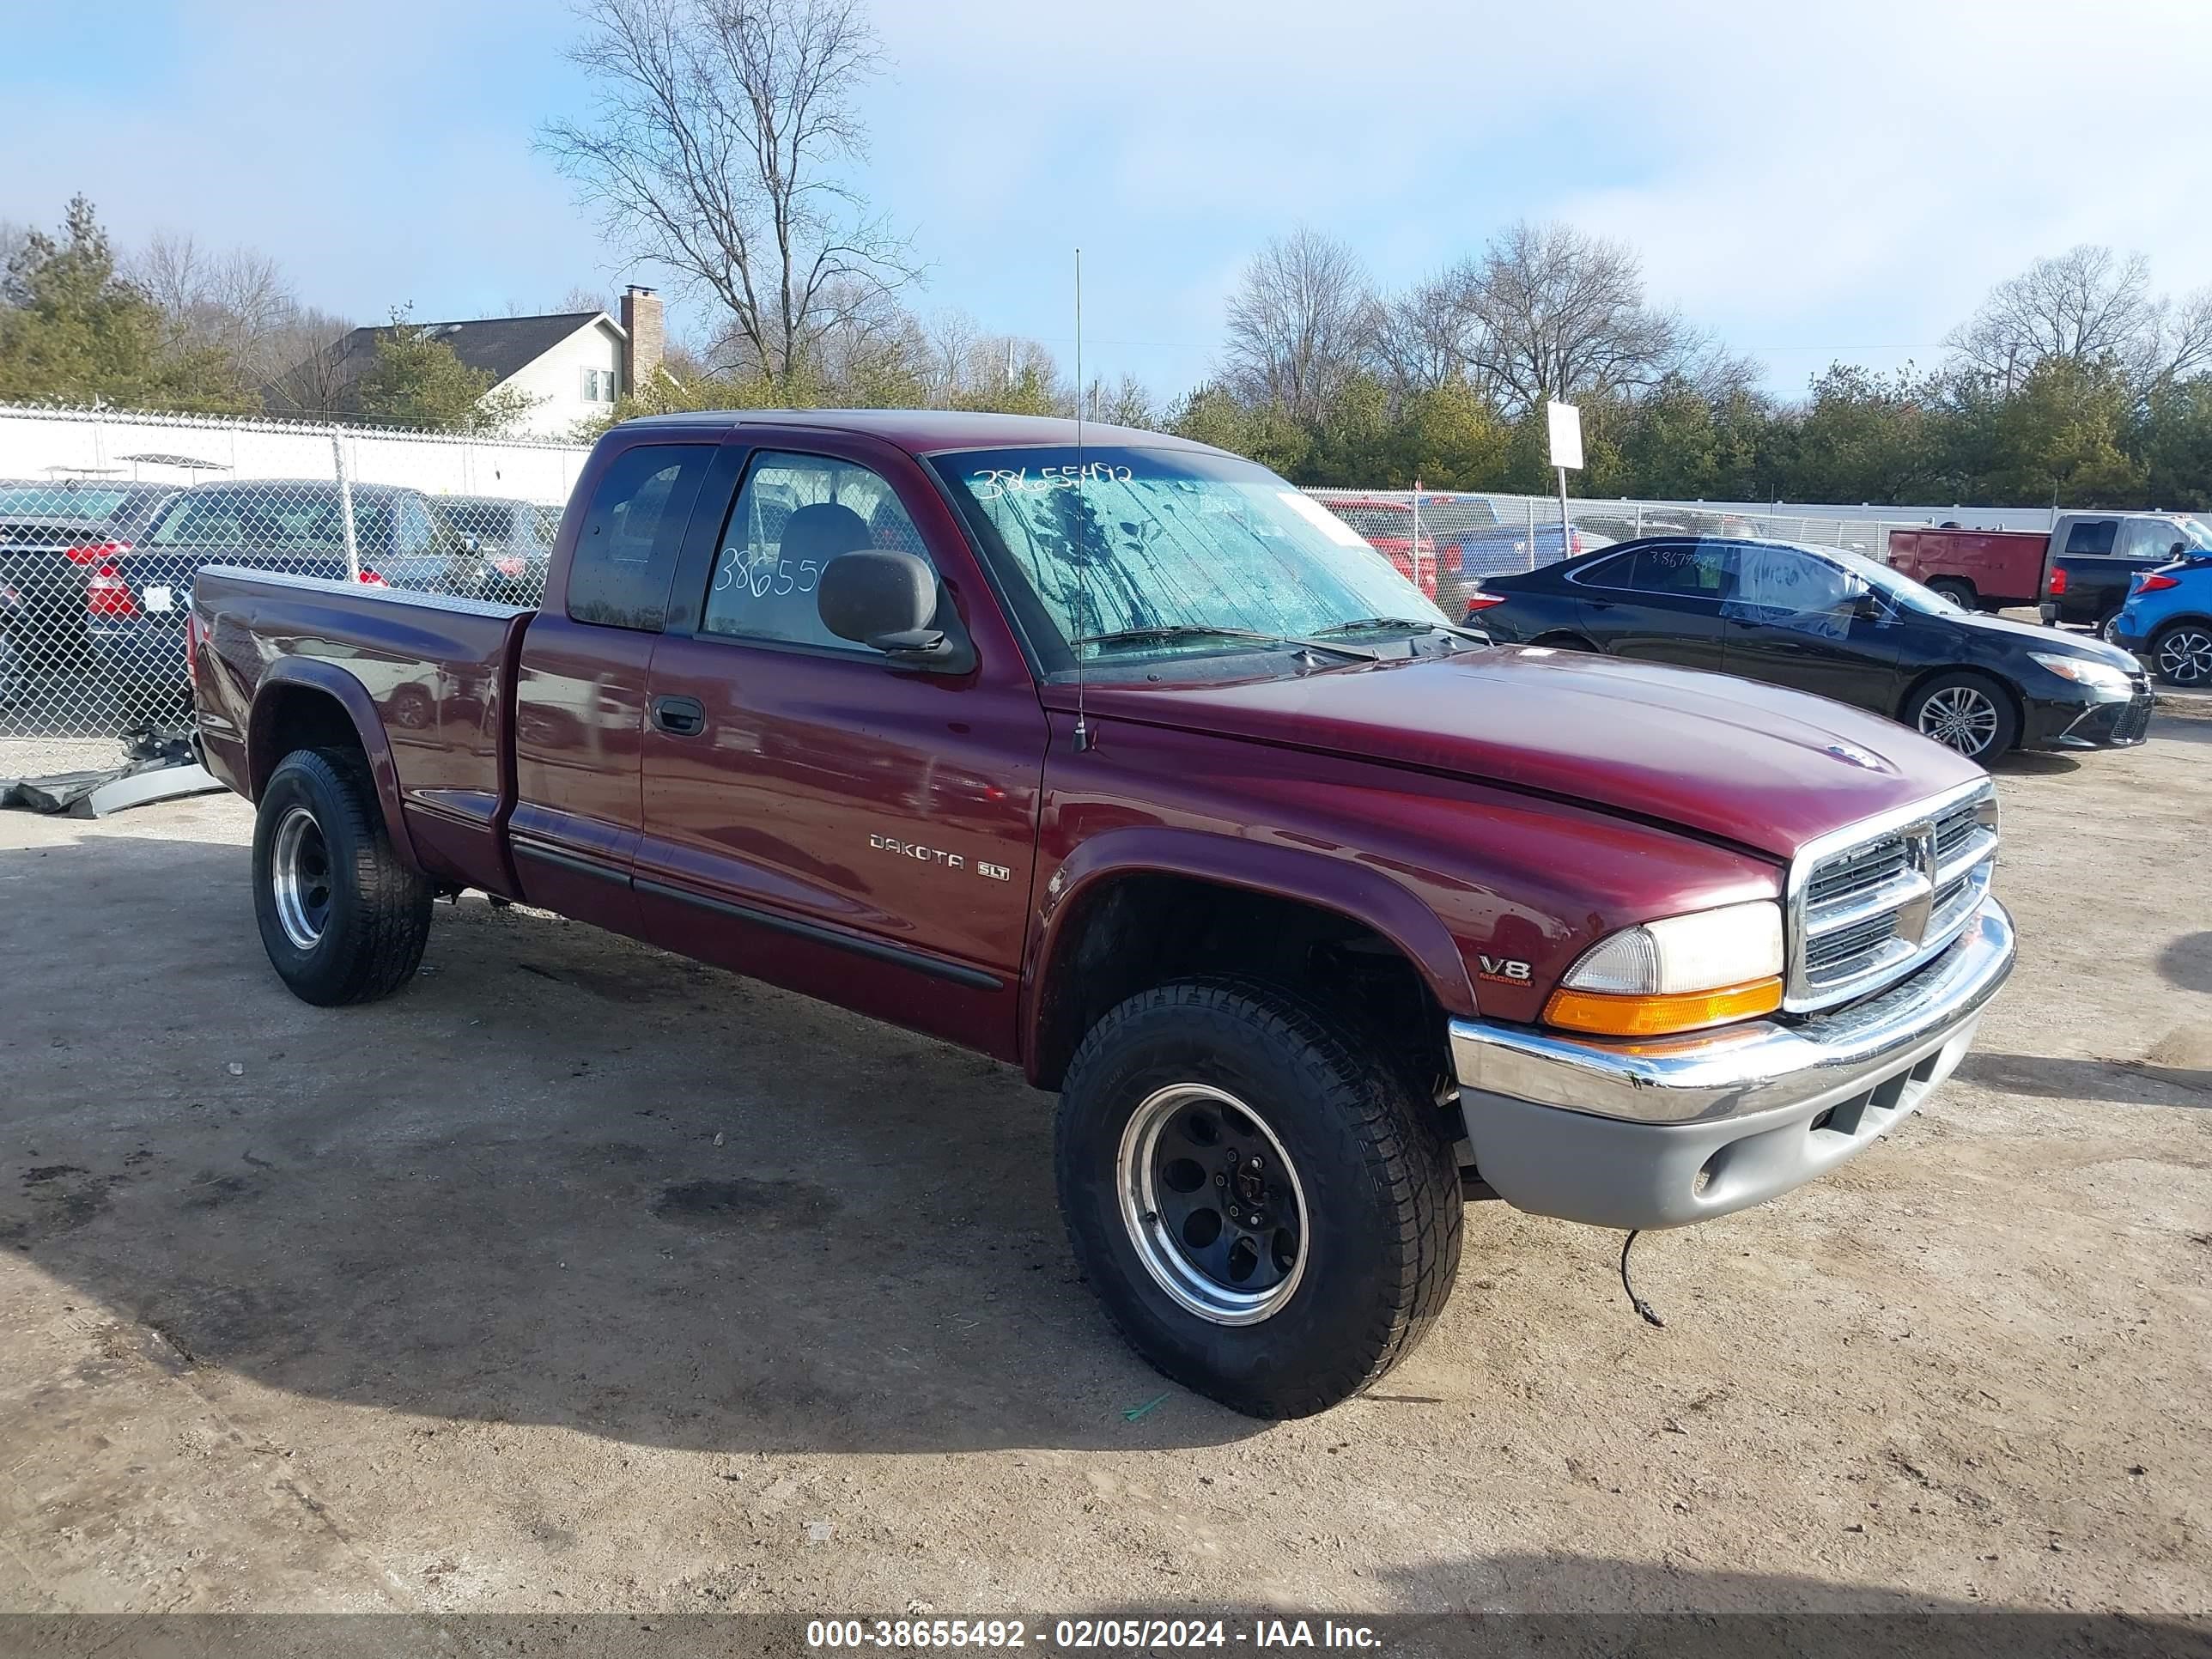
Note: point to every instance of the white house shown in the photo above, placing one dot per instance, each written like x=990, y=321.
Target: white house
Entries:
x=573, y=364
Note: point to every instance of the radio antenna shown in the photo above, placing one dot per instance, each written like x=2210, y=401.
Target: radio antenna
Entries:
x=1082, y=520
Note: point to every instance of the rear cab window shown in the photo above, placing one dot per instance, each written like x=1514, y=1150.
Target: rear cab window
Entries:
x=2091, y=537
x=625, y=554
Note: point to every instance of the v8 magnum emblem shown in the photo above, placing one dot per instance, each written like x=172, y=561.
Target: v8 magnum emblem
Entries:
x=1505, y=971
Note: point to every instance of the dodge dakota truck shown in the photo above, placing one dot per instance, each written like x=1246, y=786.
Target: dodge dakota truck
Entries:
x=1113, y=758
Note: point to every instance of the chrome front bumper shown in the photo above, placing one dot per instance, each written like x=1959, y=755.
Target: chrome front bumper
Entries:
x=1663, y=1133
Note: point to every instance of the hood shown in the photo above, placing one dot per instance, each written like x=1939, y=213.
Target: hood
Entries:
x=2049, y=641
x=1744, y=762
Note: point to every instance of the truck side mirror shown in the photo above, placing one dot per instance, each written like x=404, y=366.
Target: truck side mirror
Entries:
x=888, y=602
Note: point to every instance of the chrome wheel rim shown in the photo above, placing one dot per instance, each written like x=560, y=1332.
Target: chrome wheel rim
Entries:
x=2184, y=656
x=1961, y=718
x=300, y=873
x=1213, y=1204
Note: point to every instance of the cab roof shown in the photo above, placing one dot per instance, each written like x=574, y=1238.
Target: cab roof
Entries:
x=931, y=431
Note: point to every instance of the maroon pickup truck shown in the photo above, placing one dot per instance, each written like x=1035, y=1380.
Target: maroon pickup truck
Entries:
x=1113, y=758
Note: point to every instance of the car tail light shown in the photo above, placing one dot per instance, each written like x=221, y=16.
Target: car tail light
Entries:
x=94, y=552
x=107, y=594
x=372, y=578
x=1574, y=542
x=2151, y=582
x=2058, y=581
x=192, y=653
x=508, y=565
x=1483, y=602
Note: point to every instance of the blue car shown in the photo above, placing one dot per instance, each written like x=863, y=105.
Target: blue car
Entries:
x=2167, y=622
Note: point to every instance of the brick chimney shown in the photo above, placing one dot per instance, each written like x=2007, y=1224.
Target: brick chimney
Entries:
x=640, y=322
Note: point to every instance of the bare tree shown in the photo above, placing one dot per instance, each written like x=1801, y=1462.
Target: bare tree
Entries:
x=1425, y=336
x=713, y=147
x=1126, y=403
x=235, y=307
x=2089, y=304
x=1300, y=322
x=12, y=238
x=316, y=370
x=2185, y=345
x=1561, y=315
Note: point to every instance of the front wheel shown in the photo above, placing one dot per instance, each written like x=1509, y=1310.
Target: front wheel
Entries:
x=343, y=918
x=1267, y=1210
x=1967, y=712
x=2182, y=654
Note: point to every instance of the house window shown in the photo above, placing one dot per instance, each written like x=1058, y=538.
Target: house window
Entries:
x=599, y=385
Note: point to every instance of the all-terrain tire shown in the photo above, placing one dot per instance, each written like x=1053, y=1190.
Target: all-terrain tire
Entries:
x=1382, y=1209
x=359, y=917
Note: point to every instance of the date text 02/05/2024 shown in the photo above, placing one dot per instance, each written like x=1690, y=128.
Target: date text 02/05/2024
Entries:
x=1263, y=1635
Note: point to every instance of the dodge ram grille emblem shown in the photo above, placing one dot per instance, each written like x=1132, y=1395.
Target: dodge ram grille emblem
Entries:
x=1919, y=859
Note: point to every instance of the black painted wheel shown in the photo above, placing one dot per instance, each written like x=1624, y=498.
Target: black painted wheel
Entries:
x=1213, y=1203
x=1290, y=1276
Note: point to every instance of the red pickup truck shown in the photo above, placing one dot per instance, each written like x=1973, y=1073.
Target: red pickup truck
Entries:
x=1127, y=764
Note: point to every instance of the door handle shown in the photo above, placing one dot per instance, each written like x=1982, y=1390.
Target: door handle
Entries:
x=680, y=717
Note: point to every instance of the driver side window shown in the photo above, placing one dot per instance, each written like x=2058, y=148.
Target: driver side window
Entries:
x=795, y=514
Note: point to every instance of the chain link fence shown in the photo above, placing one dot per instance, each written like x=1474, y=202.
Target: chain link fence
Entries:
x=105, y=518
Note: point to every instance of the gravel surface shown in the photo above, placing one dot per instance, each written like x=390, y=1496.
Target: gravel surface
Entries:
x=581, y=1278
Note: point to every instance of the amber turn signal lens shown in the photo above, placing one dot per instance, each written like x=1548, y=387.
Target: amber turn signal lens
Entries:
x=1661, y=1016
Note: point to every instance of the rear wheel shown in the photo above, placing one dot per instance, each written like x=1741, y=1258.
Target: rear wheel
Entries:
x=1266, y=1209
x=2182, y=654
x=1968, y=712
x=1958, y=591
x=343, y=918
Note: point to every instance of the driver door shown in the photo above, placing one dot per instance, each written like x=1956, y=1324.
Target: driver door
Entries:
x=815, y=815
x=1800, y=620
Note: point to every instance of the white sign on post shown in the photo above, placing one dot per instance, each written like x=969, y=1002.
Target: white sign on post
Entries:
x=1565, y=422
x=1566, y=425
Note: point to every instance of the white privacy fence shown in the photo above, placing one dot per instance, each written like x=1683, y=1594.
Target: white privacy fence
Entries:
x=105, y=516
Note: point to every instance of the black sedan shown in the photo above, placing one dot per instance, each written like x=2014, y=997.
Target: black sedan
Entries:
x=1822, y=620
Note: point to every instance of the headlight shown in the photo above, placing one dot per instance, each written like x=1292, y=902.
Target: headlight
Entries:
x=1681, y=974
x=2085, y=670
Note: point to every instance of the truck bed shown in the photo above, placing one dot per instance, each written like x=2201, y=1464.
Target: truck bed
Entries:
x=433, y=675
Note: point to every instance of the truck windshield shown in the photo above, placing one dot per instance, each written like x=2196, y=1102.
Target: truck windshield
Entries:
x=1137, y=553
x=2199, y=537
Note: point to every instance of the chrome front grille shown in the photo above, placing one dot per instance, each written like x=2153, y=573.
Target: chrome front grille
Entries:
x=1871, y=902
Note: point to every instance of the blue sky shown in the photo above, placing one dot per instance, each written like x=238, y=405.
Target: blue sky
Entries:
x=1843, y=180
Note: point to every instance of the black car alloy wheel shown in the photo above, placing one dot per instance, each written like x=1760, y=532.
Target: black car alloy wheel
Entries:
x=1961, y=716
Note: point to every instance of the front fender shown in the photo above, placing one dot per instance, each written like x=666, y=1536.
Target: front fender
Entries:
x=1357, y=891
x=266, y=747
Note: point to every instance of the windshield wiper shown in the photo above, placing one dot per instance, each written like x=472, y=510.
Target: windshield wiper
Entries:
x=1192, y=631
x=1379, y=625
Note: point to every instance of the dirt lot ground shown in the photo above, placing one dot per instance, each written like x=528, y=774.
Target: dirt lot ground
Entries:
x=581, y=1278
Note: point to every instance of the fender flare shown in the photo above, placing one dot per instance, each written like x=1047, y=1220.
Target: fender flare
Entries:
x=1357, y=891
x=312, y=674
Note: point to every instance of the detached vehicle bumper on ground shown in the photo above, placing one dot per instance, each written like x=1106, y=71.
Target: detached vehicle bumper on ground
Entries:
x=1132, y=766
